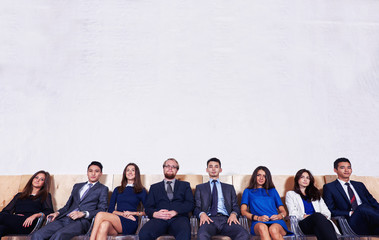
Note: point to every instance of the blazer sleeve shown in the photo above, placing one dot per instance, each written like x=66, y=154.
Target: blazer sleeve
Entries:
x=293, y=205
x=66, y=207
x=198, y=208
x=185, y=205
x=47, y=205
x=112, y=202
x=324, y=209
x=330, y=201
x=367, y=195
x=102, y=204
x=11, y=205
x=150, y=206
x=235, y=207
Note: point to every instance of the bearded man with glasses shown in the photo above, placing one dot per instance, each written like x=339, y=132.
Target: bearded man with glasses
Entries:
x=168, y=206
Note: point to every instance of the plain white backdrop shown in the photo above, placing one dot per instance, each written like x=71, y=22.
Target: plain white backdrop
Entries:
x=285, y=84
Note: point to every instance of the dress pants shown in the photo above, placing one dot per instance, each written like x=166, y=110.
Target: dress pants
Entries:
x=365, y=220
x=220, y=226
x=62, y=229
x=318, y=225
x=12, y=224
x=178, y=226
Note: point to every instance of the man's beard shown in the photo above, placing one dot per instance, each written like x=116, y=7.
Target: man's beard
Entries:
x=169, y=175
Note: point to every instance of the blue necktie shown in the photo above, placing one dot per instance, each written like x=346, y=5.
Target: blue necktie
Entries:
x=213, y=210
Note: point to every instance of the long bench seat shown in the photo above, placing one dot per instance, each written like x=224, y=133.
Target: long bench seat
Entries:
x=61, y=186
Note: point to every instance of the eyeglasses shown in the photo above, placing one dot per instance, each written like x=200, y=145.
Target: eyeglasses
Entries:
x=170, y=166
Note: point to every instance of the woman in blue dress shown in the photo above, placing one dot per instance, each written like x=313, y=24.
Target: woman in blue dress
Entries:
x=266, y=209
x=127, y=197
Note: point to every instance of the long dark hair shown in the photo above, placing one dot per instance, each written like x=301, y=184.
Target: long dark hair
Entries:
x=311, y=192
x=138, y=187
x=268, y=183
x=43, y=192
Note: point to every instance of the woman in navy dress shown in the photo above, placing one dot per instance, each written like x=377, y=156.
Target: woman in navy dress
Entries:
x=127, y=197
x=21, y=214
x=266, y=209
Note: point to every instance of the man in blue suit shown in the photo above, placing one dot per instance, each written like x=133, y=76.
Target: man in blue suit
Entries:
x=86, y=200
x=352, y=200
x=168, y=204
x=217, y=208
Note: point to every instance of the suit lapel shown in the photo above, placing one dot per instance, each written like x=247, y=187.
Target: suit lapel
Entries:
x=226, y=200
x=163, y=189
x=78, y=191
x=342, y=192
x=90, y=191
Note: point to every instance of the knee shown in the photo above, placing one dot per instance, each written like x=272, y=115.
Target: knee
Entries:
x=274, y=231
x=100, y=216
x=36, y=235
x=318, y=217
x=262, y=228
x=143, y=234
x=103, y=228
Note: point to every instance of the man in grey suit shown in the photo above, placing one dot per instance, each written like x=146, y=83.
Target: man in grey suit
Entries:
x=86, y=200
x=216, y=207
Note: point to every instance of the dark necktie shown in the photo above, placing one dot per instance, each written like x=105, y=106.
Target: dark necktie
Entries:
x=353, y=200
x=213, y=210
x=170, y=194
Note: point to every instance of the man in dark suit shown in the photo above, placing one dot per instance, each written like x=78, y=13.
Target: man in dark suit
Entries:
x=216, y=207
x=168, y=204
x=86, y=200
x=352, y=200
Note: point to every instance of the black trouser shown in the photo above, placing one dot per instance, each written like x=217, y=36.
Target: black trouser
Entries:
x=318, y=225
x=12, y=224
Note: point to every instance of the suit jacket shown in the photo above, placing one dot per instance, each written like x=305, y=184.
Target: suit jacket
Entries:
x=295, y=207
x=339, y=203
x=157, y=199
x=96, y=200
x=203, y=198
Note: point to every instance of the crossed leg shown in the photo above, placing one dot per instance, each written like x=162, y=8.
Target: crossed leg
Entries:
x=105, y=224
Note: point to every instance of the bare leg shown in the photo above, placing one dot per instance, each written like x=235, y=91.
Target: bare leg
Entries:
x=106, y=228
x=105, y=217
x=276, y=231
x=261, y=230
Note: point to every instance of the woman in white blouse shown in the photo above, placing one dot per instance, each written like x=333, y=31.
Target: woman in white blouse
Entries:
x=306, y=204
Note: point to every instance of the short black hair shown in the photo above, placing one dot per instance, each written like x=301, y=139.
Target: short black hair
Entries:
x=336, y=162
x=214, y=160
x=96, y=163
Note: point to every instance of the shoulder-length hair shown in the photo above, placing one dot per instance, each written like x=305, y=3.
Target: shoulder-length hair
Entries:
x=268, y=183
x=138, y=187
x=42, y=193
x=311, y=192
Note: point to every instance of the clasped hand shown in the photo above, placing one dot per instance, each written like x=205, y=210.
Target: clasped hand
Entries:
x=129, y=215
x=265, y=218
x=76, y=215
x=164, y=214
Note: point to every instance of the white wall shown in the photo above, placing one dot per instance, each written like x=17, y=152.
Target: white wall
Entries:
x=286, y=84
